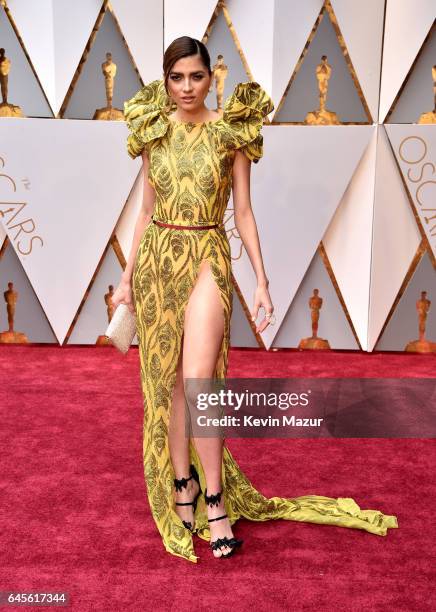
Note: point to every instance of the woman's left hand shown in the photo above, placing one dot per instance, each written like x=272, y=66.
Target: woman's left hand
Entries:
x=262, y=299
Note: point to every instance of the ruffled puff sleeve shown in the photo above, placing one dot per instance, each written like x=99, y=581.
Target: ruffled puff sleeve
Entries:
x=146, y=116
x=243, y=115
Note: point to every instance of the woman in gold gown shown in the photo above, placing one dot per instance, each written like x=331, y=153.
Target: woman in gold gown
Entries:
x=178, y=279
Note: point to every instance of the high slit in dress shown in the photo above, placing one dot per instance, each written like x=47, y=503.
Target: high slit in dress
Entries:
x=190, y=170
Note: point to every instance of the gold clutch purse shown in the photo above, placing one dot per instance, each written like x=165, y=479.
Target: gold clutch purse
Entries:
x=122, y=328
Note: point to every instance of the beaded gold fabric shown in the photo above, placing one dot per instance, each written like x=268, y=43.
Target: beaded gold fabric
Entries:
x=191, y=172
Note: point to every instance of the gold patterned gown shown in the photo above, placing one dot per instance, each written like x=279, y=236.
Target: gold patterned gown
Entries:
x=191, y=172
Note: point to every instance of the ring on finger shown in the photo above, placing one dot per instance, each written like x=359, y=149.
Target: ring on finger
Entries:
x=271, y=318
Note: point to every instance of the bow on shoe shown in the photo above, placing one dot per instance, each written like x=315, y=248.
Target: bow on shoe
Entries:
x=213, y=500
x=181, y=483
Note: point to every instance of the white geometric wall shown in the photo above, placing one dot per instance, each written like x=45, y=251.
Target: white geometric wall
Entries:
x=344, y=208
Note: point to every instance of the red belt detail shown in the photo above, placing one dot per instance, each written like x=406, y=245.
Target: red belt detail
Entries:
x=162, y=224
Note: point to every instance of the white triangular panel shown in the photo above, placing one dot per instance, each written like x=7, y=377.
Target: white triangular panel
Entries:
x=293, y=22
x=347, y=241
x=2, y=235
x=293, y=217
x=142, y=26
x=395, y=237
x=73, y=23
x=406, y=26
x=187, y=18
x=359, y=23
x=55, y=34
x=256, y=43
x=414, y=147
x=70, y=208
x=126, y=224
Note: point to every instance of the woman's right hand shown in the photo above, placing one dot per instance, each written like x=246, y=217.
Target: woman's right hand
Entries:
x=123, y=295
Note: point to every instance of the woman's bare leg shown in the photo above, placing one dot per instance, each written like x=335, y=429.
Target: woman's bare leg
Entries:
x=203, y=334
x=179, y=447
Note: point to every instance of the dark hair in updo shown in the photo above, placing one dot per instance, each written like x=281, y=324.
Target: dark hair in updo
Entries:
x=183, y=47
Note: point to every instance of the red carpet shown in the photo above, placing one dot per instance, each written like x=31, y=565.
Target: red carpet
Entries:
x=75, y=518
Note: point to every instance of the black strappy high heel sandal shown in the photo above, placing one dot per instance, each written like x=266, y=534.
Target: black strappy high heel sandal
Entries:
x=232, y=543
x=181, y=483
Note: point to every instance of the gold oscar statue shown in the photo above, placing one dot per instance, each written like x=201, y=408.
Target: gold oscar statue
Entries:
x=315, y=303
x=322, y=116
x=6, y=109
x=220, y=72
x=422, y=345
x=10, y=336
x=108, y=113
x=430, y=117
x=110, y=313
